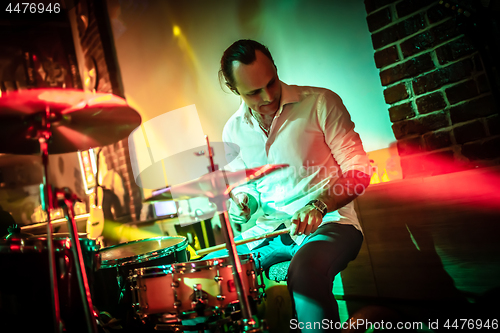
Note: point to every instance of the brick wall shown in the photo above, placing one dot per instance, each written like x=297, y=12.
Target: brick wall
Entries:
x=97, y=43
x=443, y=103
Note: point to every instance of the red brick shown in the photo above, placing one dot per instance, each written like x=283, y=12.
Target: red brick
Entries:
x=410, y=146
x=437, y=13
x=430, y=103
x=386, y=57
x=482, y=150
x=440, y=162
x=429, y=38
x=400, y=112
x=379, y=19
x=438, y=78
x=408, y=69
x=469, y=132
x=434, y=163
x=408, y=7
x=398, y=31
x=437, y=140
x=462, y=91
x=454, y=50
x=396, y=93
x=477, y=108
x=420, y=125
x=372, y=5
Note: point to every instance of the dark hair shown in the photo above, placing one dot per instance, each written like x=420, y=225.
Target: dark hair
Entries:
x=243, y=51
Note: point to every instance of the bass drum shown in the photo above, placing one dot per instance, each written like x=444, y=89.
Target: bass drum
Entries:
x=112, y=285
x=25, y=286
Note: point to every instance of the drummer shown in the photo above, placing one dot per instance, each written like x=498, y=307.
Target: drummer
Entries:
x=309, y=129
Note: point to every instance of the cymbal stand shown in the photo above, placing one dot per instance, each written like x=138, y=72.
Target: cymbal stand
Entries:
x=43, y=135
x=40, y=129
x=66, y=201
x=249, y=324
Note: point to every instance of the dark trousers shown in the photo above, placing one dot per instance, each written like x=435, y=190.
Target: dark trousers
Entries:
x=314, y=265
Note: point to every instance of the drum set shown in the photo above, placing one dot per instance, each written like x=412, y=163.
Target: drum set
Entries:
x=67, y=283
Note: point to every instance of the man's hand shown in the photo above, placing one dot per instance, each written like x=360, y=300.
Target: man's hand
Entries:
x=242, y=207
x=305, y=221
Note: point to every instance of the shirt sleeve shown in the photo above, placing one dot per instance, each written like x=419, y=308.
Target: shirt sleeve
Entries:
x=345, y=144
x=235, y=162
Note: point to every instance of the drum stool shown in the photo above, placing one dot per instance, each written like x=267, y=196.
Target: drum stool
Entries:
x=278, y=272
x=277, y=305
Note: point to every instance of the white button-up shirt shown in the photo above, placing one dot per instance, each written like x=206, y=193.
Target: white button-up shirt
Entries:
x=313, y=133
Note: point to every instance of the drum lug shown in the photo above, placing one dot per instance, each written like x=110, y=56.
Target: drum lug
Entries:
x=175, y=284
x=177, y=304
x=221, y=297
x=218, y=279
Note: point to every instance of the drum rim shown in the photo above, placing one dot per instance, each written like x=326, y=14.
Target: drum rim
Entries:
x=38, y=244
x=145, y=272
x=137, y=259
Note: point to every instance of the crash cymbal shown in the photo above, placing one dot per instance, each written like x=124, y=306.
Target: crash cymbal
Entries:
x=215, y=183
x=78, y=120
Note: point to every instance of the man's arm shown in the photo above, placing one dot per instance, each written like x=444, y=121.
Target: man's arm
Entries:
x=244, y=199
x=347, y=150
x=337, y=194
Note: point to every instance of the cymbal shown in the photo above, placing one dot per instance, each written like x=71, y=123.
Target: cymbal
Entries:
x=216, y=183
x=78, y=120
x=162, y=195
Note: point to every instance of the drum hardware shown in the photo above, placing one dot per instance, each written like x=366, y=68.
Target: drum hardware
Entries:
x=216, y=186
x=29, y=283
x=115, y=285
x=39, y=121
x=173, y=293
x=208, y=250
x=66, y=199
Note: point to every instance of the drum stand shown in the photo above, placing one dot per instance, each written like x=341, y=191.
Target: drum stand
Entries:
x=248, y=322
x=43, y=134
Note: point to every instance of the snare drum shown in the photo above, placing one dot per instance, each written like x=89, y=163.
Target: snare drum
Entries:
x=112, y=291
x=191, y=289
x=25, y=286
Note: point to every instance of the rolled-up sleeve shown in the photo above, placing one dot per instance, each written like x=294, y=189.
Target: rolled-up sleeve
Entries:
x=345, y=144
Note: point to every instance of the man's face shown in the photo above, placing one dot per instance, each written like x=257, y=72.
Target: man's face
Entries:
x=258, y=84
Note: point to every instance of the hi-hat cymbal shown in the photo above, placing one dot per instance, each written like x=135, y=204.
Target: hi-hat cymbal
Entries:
x=78, y=120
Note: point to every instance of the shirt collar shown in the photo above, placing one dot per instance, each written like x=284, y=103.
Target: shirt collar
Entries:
x=289, y=94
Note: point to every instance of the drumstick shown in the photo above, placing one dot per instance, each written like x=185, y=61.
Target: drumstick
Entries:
x=243, y=241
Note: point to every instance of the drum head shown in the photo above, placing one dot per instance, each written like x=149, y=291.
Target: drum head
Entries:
x=141, y=250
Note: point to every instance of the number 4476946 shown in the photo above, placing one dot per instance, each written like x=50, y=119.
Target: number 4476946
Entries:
x=471, y=324
x=33, y=8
